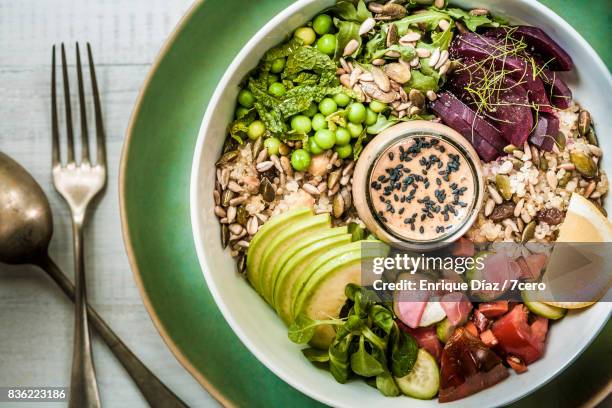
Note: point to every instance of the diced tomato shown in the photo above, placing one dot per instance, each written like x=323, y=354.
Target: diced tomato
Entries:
x=536, y=263
x=457, y=307
x=467, y=366
x=469, y=326
x=517, y=337
x=517, y=364
x=426, y=338
x=488, y=338
x=493, y=309
x=463, y=247
x=480, y=320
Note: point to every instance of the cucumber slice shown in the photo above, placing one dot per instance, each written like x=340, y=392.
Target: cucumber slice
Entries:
x=542, y=309
x=423, y=382
x=432, y=314
x=444, y=329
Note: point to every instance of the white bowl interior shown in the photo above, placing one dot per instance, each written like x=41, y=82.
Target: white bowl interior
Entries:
x=256, y=323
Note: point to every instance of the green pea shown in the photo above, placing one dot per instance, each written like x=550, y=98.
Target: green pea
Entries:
x=272, y=78
x=371, y=117
x=246, y=98
x=327, y=44
x=241, y=112
x=256, y=130
x=301, y=123
x=344, y=151
x=312, y=110
x=277, y=89
x=342, y=99
x=322, y=24
x=306, y=34
x=278, y=65
x=355, y=129
x=272, y=144
x=357, y=113
x=343, y=137
x=300, y=159
x=327, y=106
x=313, y=146
x=325, y=138
x=377, y=106
x=319, y=122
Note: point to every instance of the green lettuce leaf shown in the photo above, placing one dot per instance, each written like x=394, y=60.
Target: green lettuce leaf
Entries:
x=431, y=18
x=347, y=11
x=406, y=52
x=347, y=31
x=470, y=21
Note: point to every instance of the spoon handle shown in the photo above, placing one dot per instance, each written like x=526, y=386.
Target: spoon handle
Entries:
x=154, y=391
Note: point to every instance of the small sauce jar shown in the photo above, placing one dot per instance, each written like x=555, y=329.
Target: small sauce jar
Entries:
x=418, y=185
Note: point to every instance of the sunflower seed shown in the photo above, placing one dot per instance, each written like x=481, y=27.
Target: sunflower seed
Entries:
x=403, y=106
x=505, y=168
x=225, y=234
x=391, y=35
x=217, y=197
x=354, y=77
x=595, y=150
x=252, y=226
x=358, y=89
x=345, y=79
x=414, y=110
x=345, y=65
x=381, y=79
x=479, y=12
x=442, y=60
x=235, y=229
x=264, y=166
x=495, y=195
x=378, y=62
x=444, y=69
x=439, y=4
x=238, y=200
x=435, y=56
x=235, y=187
x=310, y=189
x=348, y=169
x=243, y=243
x=431, y=95
x=409, y=38
x=366, y=77
x=393, y=54
x=346, y=196
x=350, y=48
x=489, y=206
x=519, y=207
x=566, y=167
x=590, y=188
x=338, y=206
x=367, y=25
x=220, y=212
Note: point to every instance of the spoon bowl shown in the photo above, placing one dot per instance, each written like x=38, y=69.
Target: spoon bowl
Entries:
x=26, y=223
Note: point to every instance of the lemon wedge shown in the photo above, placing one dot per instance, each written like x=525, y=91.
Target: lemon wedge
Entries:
x=584, y=222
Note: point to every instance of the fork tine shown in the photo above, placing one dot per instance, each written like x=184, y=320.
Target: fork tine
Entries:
x=55, y=156
x=83, y=114
x=70, y=154
x=100, y=137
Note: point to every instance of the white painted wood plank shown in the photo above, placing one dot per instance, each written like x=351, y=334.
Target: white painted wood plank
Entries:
x=35, y=319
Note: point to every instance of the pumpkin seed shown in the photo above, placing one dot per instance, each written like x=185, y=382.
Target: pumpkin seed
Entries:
x=584, y=122
x=375, y=7
x=346, y=196
x=592, y=137
x=227, y=157
x=241, y=263
x=528, y=232
x=561, y=141
x=503, y=186
x=338, y=206
x=381, y=79
x=398, y=72
x=266, y=189
x=565, y=179
x=391, y=35
x=584, y=164
x=394, y=10
x=416, y=97
x=242, y=216
x=333, y=179
x=543, y=163
x=225, y=235
x=227, y=197
x=509, y=149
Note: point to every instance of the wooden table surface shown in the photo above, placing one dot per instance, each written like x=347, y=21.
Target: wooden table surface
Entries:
x=36, y=321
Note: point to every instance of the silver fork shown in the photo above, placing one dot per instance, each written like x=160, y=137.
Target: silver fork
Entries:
x=78, y=183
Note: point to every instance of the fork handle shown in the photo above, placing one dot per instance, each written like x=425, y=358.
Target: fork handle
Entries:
x=83, y=384
x=153, y=390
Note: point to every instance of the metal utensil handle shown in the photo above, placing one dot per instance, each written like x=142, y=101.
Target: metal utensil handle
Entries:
x=83, y=385
x=154, y=391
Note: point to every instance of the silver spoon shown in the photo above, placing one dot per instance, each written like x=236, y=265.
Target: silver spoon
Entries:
x=26, y=227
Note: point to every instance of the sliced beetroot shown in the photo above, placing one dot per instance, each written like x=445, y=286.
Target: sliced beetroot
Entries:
x=467, y=366
x=485, y=138
x=490, y=54
x=540, y=45
x=508, y=108
x=559, y=94
x=545, y=132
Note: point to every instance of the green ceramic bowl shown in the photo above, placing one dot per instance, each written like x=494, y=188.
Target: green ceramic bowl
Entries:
x=154, y=191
